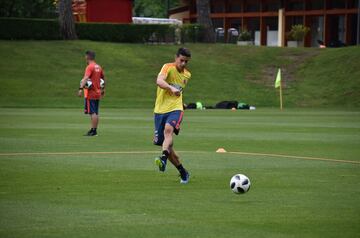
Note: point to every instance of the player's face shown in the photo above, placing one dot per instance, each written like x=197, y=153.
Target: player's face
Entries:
x=181, y=62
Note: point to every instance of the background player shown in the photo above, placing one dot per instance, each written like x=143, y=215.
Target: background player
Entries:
x=92, y=95
x=171, y=81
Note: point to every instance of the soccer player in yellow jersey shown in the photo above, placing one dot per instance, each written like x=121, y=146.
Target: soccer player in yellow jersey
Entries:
x=169, y=110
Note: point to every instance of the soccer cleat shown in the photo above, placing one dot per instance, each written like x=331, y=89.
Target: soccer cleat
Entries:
x=184, y=178
x=94, y=133
x=88, y=133
x=161, y=164
x=91, y=133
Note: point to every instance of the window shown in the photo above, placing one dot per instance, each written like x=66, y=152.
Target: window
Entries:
x=252, y=24
x=295, y=20
x=235, y=6
x=315, y=4
x=335, y=4
x=218, y=22
x=271, y=23
x=352, y=3
x=295, y=5
x=236, y=23
x=252, y=5
x=217, y=6
x=271, y=5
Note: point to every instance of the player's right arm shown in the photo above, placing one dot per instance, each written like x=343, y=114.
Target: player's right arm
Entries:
x=86, y=77
x=82, y=84
x=161, y=82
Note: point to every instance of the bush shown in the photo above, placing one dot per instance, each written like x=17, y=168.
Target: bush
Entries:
x=45, y=29
x=134, y=33
x=192, y=33
x=29, y=29
x=244, y=36
x=298, y=32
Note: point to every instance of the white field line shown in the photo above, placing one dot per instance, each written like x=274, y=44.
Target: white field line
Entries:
x=295, y=157
x=153, y=152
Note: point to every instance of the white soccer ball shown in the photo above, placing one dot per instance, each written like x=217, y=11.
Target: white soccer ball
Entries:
x=239, y=184
x=102, y=83
x=88, y=84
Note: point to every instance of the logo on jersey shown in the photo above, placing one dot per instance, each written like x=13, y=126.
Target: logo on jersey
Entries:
x=177, y=86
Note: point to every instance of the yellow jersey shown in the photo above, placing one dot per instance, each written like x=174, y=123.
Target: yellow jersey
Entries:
x=165, y=100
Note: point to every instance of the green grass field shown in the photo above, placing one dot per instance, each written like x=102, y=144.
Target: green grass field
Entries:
x=304, y=162
x=47, y=74
x=62, y=192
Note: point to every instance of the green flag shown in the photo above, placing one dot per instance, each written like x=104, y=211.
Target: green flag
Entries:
x=278, y=79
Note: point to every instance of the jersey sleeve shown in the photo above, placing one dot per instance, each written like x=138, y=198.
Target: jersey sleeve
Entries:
x=165, y=70
x=188, y=75
x=88, y=71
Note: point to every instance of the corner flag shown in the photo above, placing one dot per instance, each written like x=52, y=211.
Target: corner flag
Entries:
x=278, y=79
x=278, y=85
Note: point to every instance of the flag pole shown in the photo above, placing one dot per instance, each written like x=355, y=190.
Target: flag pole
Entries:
x=281, y=97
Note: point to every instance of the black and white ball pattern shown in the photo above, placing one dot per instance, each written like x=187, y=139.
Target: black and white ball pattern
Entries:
x=240, y=184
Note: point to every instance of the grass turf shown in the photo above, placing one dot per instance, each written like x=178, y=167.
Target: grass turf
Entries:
x=47, y=74
x=122, y=195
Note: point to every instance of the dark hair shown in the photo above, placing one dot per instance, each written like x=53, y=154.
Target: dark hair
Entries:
x=90, y=54
x=184, y=52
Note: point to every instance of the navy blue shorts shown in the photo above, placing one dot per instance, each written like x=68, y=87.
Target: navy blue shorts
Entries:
x=91, y=106
x=173, y=118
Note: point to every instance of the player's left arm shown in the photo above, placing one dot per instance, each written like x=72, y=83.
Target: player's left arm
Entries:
x=103, y=89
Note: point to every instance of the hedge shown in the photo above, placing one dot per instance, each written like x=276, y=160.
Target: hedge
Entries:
x=124, y=32
x=192, y=33
x=45, y=29
x=29, y=29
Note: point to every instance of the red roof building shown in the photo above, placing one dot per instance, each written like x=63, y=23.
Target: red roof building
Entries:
x=112, y=11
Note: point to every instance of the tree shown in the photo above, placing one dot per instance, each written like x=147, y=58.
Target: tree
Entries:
x=26, y=8
x=151, y=8
x=66, y=20
x=203, y=18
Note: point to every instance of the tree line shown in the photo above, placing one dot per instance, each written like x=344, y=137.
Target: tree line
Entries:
x=62, y=9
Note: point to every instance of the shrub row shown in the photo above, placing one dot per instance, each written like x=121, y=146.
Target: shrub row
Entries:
x=45, y=29
x=123, y=32
x=29, y=29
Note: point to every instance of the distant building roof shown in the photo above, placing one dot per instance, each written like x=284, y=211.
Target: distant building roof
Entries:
x=148, y=20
